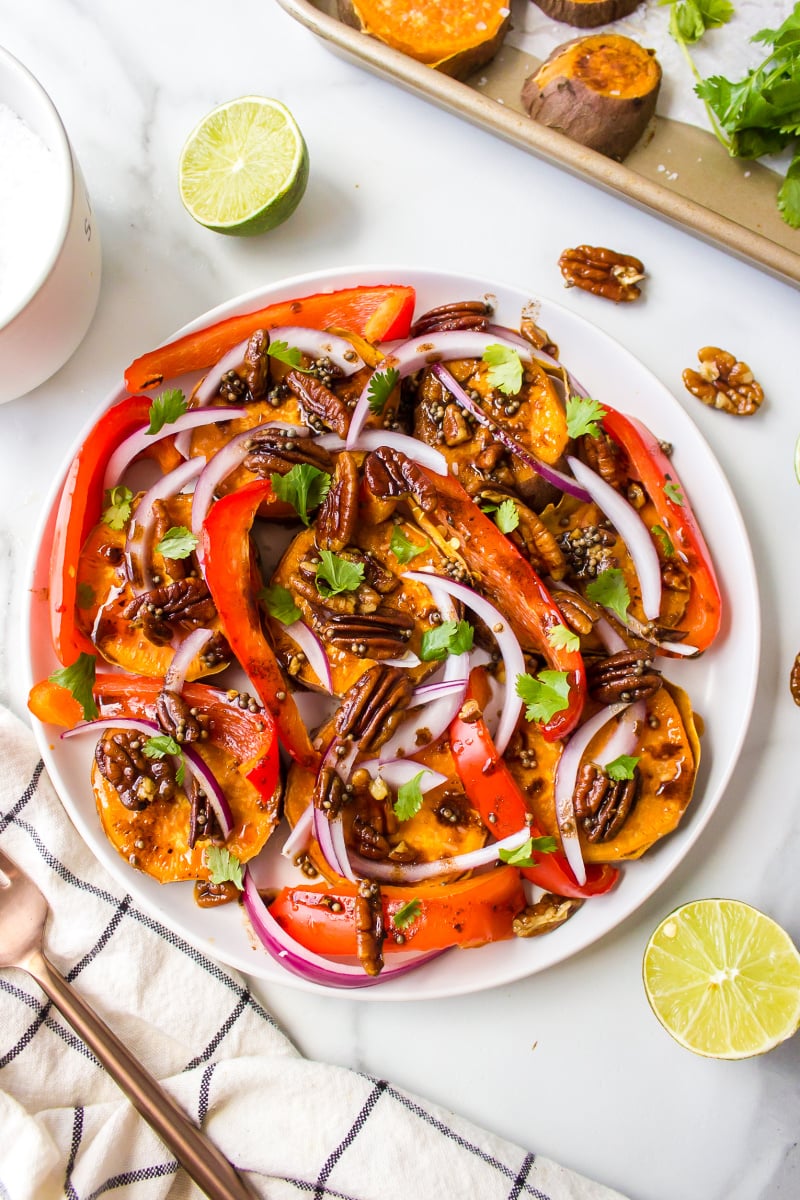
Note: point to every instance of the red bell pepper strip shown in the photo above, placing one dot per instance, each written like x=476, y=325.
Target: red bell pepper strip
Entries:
x=249, y=737
x=494, y=792
x=656, y=473
x=226, y=562
x=379, y=314
x=468, y=913
x=79, y=509
x=505, y=575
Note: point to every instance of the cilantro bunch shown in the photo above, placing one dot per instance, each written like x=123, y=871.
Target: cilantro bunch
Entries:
x=757, y=115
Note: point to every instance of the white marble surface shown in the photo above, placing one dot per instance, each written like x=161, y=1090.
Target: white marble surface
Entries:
x=569, y=1063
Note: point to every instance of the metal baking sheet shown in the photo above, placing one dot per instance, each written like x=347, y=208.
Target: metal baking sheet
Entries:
x=677, y=171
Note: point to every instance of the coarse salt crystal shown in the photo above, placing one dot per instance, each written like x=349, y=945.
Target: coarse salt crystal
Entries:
x=29, y=208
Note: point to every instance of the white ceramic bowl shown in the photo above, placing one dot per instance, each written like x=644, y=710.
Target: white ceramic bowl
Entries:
x=44, y=324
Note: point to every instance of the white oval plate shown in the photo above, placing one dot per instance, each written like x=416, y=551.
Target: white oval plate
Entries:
x=721, y=684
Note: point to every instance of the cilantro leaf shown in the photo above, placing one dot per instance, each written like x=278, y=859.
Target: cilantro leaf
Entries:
x=583, y=416
x=673, y=492
x=283, y=352
x=335, y=574
x=177, y=542
x=402, y=547
x=610, y=589
x=789, y=194
x=561, y=638
x=409, y=798
x=544, y=694
x=406, y=914
x=380, y=388
x=166, y=408
x=117, y=508
x=223, y=866
x=159, y=746
x=451, y=637
x=523, y=856
x=506, y=518
x=280, y=604
x=664, y=540
x=505, y=368
x=304, y=487
x=78, y=678
x=622, y=767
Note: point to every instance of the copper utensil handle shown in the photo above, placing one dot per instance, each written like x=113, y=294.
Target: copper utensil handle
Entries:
x=200, y=1158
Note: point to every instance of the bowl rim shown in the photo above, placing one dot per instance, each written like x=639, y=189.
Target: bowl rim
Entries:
x=57, y=142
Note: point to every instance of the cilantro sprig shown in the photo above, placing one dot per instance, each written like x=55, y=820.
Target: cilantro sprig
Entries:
x=402, y=546
x=336, y=574
x=166, y=408
x=525, y=855
x=544, y=694
x=610, y=589
x=505, y=368
x=380, y=388
x=117, y=507
x=290, y=356
x=177, y=542
x=407, y=914
x=78, y=678
x=159, y=746
x=562, y=638
x=584, y=416
x=505, y=514
x=622, y=767
x=409, y=797
x=451, y=637
x=304, y=487
x=280, y=604
x=223, y=866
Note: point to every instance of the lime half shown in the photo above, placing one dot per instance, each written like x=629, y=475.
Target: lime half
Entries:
x=723, y=979
x=244, y=168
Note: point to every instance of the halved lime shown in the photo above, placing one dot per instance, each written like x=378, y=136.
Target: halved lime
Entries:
x=723, y=979
x=244, y=168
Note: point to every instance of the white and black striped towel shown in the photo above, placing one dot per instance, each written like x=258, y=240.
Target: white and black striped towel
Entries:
x=293, y=1127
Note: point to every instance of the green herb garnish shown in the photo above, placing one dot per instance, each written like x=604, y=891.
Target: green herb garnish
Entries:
x=505, y=515
x=523, y=856
x=380, y=388
x=544, y=694
x=177, y=542
x=166, y=408
x=223, y=866
x=159, y=746
x=335, y=574
x=280, y=604
x=610, y=589
x=402, y=547
x=289, y=355
x=117, y=507
x=304, y=487
x=505, y=368
x=561, y=638
x=78, y=678
x=409, y=798
x=673, y=492
x=584, y=416
x=406, y=914
x=451, y=637
x=622, y=767
x=665, y=541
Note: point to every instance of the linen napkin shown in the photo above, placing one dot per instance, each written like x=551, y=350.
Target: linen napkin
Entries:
x=291, y=1127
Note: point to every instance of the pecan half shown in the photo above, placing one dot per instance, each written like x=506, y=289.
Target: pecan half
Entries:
x=389, y=473
x=539, y=338
x=380, y=634
x=627, y=675
x=602, y=272
x=463, y=314
x=604, y=457
x=329, y=791
x=370, y=930
x=181, y=722
x=336, y=519
x=276, y=451
x=794, y=680
x=251, y=380
x=319, y=401
x=138, y=780
x=603, y=805
x=545, y=915
x=579, y=613
x=722, y=382
x=371, y=708
x=185, y=602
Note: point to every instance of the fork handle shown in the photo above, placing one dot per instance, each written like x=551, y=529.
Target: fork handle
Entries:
x=200, y=1158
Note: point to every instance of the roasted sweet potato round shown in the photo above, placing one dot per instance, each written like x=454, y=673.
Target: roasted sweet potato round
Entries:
x=587, y=14
x=600, y=90
x=441, y=33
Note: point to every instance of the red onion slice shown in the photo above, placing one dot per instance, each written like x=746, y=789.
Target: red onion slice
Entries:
x=407, y=873
x=194, y=763
x=626, y=734
x=226, y=460
x=374, y=439
x=138, y=545
x=312, y=647
x=507, y=644
x=502, y=435
x=208, y=386
x=428, y=692
x=565, y=779
x=419, y=352
x=125, y=453
x=631, y=529
x=329, y=833
x=398, y=771
x=188, y=650
x=409, y=660
x=293, y=957
x=299, y=839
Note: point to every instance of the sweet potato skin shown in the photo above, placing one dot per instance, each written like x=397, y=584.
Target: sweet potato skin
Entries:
x=587, y=14
x=573, y=92
x=429, y=31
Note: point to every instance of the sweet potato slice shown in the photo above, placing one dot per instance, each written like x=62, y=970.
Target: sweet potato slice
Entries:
x=445, y=34
x=600, y=90
x=587, y=14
